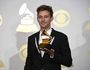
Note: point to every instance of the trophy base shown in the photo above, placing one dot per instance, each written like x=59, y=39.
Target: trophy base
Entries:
x=42, y=45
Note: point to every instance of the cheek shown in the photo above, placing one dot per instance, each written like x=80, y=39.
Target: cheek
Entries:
x=39, y=20
x=48, y=20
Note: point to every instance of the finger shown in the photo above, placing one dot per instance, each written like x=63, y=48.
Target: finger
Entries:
x=40, y=48
x=52, y=50
x=46, y=50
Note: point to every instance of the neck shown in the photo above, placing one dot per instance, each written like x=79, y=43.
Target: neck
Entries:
x=45, y=29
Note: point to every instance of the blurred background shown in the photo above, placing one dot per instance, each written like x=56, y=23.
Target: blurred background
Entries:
x=18, y=20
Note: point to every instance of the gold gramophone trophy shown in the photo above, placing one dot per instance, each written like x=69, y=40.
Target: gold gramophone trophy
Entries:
x=45, y=41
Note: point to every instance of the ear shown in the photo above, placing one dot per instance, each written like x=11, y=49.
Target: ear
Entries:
x=51, y=18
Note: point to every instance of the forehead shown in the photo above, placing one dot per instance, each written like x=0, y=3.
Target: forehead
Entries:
x=44, y=12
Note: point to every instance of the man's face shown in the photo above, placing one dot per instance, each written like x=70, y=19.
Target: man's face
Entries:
x=44, y=19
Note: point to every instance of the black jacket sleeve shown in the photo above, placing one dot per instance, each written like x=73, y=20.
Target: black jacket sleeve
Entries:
x=63, y=56
x=28, y=59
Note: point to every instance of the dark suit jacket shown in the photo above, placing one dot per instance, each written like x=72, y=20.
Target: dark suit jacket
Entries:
x=62, y=54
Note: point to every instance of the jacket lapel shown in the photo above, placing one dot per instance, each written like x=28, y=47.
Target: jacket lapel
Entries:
x=53, y=36
x=37, y=37
x=53, y=32
x=37, y=41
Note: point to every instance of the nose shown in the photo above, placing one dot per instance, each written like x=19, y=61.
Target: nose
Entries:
x=43, y=19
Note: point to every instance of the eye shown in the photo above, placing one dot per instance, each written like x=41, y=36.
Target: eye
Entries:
x=39, y=17
x=46, y=16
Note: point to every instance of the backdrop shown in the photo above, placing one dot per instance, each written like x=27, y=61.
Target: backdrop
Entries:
x=18, y=21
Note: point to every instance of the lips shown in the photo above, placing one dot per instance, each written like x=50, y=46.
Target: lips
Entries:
x=43, y=23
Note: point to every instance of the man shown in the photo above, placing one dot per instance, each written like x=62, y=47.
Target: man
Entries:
x=55, y=49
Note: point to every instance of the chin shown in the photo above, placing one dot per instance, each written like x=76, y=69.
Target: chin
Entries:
x=43, y=26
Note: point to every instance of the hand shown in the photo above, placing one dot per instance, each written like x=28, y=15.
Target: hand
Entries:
x=49, y=51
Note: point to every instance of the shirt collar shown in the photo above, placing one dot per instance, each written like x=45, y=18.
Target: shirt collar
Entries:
x=48, y=31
